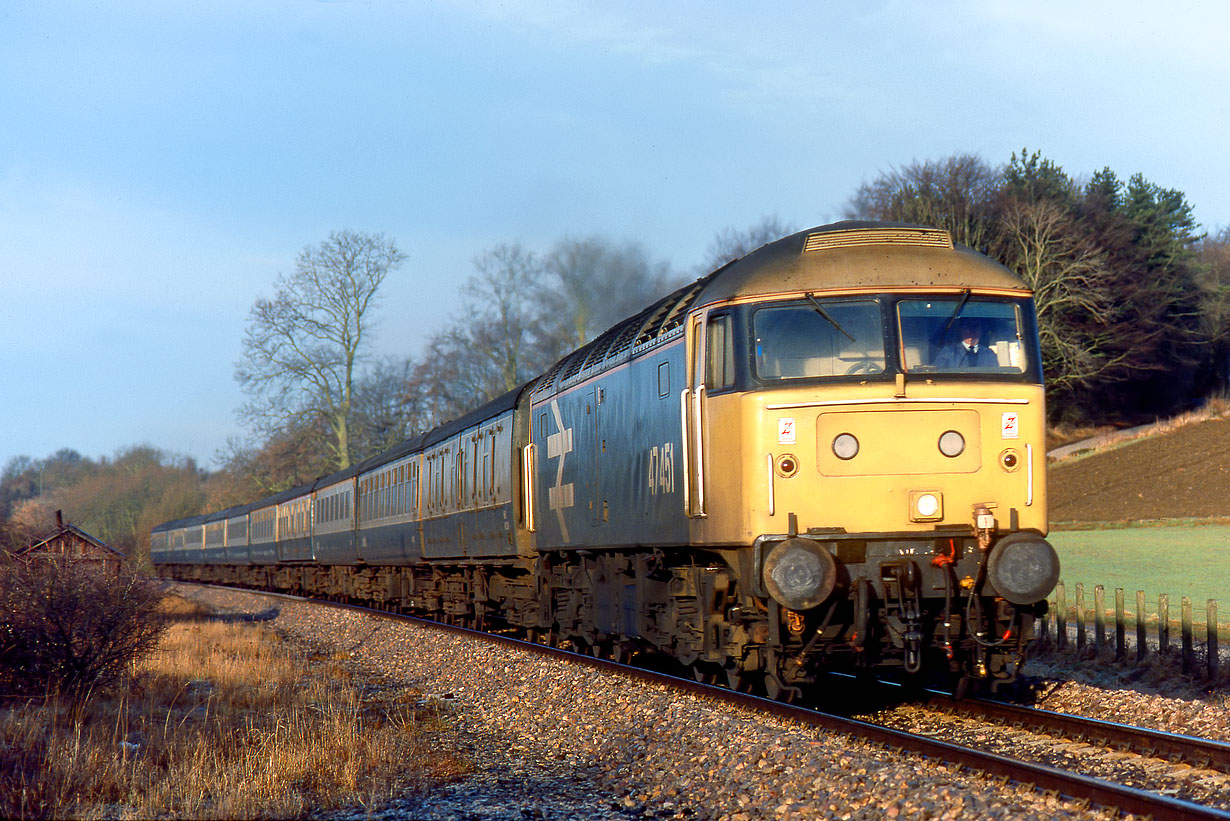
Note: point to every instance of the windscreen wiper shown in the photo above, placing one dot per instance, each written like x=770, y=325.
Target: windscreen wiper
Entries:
x=820, y=310
x=956, y=313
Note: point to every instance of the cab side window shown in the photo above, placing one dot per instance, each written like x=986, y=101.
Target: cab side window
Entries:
x=719, y=354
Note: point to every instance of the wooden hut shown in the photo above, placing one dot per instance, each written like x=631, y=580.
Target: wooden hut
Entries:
x=73, y=545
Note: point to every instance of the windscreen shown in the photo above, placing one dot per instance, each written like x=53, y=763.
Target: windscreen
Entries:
x=962, y=335
x=818, y=338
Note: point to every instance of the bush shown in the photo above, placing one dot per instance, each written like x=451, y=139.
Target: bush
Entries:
x=70, y=627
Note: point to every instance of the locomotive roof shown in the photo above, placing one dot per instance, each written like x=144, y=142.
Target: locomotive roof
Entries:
x=854, y=254
x=842, y=255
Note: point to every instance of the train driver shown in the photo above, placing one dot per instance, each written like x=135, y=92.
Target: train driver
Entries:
x=967, y=350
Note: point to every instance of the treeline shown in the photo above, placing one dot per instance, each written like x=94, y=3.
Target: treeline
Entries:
x=316, y=404
x=1131, y=297
x=116, y=500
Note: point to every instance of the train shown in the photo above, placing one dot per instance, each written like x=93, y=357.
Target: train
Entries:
x=779, y=471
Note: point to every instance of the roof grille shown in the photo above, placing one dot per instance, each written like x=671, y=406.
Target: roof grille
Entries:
x=854, y=237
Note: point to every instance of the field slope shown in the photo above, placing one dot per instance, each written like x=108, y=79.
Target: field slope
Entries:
x=1183, y=473
x=1177, y=476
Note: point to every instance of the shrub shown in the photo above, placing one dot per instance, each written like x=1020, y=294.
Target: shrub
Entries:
x=70, y=627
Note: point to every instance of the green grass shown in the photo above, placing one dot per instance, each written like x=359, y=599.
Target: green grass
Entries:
x=1183, y=560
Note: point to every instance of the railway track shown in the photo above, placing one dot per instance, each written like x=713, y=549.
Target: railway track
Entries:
x=1195, y=752
x=1161, y=748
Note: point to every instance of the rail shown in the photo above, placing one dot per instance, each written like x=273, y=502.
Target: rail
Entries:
x=1197, y=752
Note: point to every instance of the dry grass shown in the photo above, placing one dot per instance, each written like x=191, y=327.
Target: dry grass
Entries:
x=1214, y=408
x=223, y=721
x=1059, y=435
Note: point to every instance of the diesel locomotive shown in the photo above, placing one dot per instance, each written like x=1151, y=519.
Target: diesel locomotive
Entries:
x=826, y=455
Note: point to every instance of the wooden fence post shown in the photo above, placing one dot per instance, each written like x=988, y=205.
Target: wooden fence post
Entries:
x=1080, y=616
x=1142, y=638
x=1210, y=610
x=1185, y=609
x=1061, y=617
x=1099, y=618
x=1120, y=626
x=1163, y=624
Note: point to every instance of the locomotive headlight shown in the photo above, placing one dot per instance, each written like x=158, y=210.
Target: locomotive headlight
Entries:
x=952, y=444
x=800, y=574
x=926, y=505
x=845, y=446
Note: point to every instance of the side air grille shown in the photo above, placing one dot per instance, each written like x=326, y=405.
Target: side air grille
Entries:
x=855, y=237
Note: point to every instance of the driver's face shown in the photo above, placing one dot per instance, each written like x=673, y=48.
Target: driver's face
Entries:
x=971, y=334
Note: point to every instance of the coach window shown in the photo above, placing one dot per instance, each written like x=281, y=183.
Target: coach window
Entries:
x=719, y=354
x=489, y=459
x=476, y=490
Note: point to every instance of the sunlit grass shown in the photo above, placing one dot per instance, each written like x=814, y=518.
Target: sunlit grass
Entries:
x=223, y=721
x=1182, y=560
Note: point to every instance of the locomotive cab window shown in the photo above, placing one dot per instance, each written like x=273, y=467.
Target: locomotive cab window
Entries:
x=719, y=354
x=964, y=335
x=819, y=338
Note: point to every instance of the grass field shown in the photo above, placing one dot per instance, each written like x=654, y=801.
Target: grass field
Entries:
x=1184, y=560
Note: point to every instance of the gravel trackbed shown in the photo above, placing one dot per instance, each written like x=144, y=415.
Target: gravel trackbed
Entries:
x=556, y=741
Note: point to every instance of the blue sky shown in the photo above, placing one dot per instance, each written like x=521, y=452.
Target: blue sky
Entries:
x=162, y=161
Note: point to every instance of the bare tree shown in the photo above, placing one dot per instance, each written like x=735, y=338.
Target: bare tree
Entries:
x=522, y=312
x=955, y=194
x=590, y=285
x=491, y=346
x=302, y=348
x=286, y=459
x=732, y=243
x=1072, y=282
x=382, y=416
x=1215, y=301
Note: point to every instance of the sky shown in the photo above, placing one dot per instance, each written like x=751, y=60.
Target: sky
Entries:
x=162, y=162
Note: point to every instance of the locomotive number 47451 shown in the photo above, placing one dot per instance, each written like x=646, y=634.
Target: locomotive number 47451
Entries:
x=662, y=469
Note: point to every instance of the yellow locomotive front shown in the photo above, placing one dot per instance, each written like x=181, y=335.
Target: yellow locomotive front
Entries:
x=866, y=413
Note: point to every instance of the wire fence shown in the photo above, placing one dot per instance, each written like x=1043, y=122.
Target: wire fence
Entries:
x=1134, y=636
